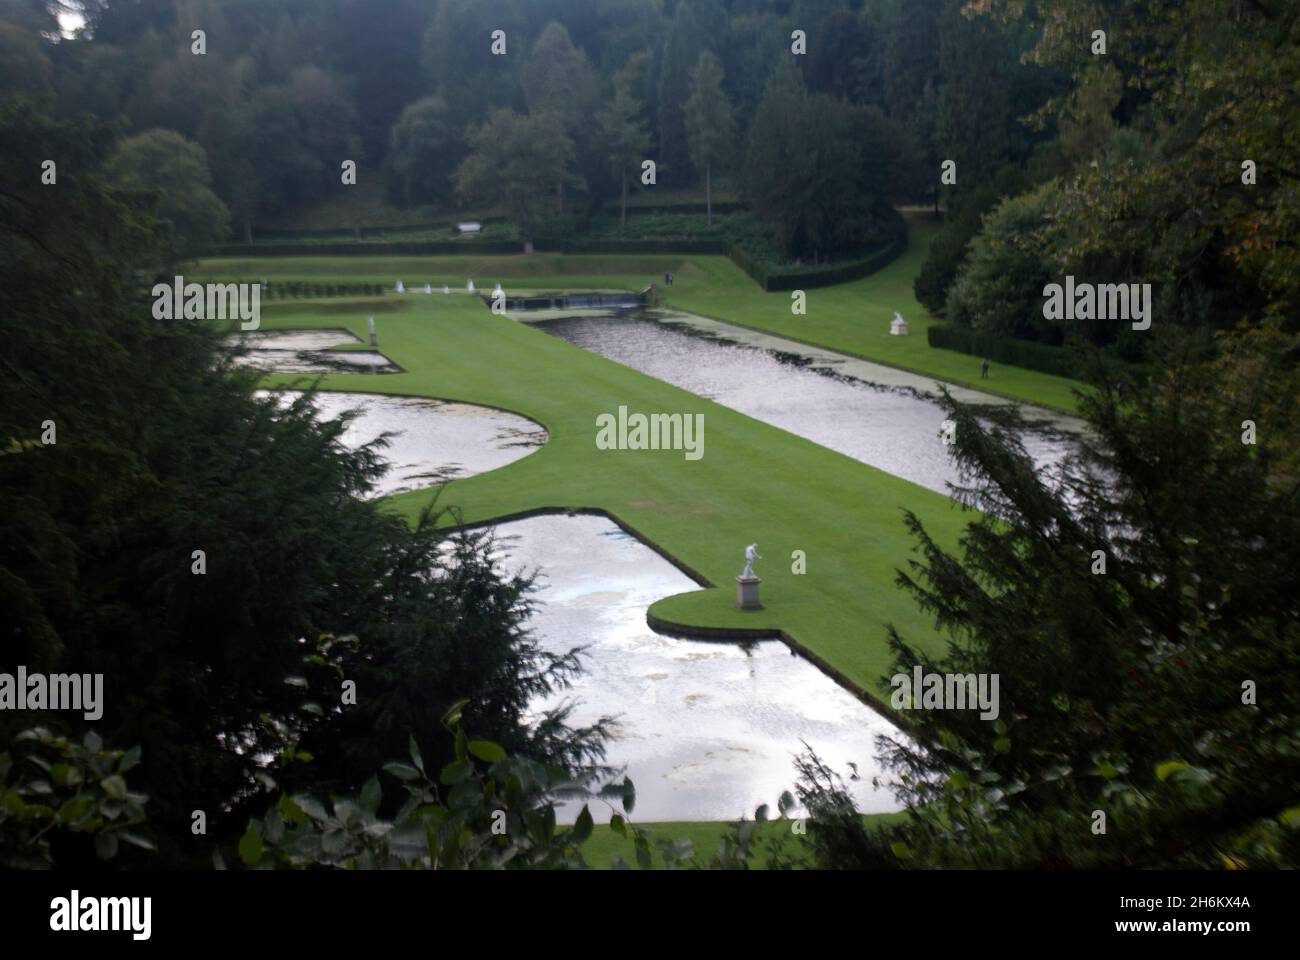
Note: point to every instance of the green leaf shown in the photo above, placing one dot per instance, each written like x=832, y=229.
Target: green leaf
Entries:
x=487, y=751
x=250, y=846
x=129, y=759
x=106, y=845
x=74, y=809
x=290, y=810
x=619, y=825
x=371, y=794
x=93, y=741
x=1002, y=744
x=452, y=716
x=114, y=787
x=311, y=806
x=1168, y=768
x=455, y=772
x=139, y=841
x=582, y=826
x=65, y=775
x=761, y=814
x=333, y=843
x=1290, y=817
x=401, y=771
x=901, y=850
x=414, y=749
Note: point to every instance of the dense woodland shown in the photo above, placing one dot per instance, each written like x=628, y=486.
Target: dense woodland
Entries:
x=1128, y=166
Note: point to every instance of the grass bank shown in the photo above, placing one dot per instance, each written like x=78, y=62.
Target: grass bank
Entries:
x=851, y=318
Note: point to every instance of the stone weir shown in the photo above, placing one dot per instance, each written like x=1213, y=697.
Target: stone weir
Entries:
x=579, y=301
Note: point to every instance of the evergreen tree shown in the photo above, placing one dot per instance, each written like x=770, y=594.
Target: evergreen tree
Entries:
x=1134, y=608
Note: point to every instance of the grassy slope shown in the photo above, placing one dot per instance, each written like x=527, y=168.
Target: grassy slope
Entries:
x=755, y=482
x=854, y=318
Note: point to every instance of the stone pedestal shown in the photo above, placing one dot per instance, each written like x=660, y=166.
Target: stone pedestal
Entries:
x=747, y=593
x=374, y=340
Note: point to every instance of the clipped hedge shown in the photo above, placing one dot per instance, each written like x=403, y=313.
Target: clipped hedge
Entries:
x=373, y=248
x=1057, y=361
x=767, y=279
x=838, y=273
x=719, y=206
x=281, y=234
x=716, y=247
x=276, y=290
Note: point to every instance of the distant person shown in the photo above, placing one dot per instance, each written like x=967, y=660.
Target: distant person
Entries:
x=984, y=369
x=668, y=279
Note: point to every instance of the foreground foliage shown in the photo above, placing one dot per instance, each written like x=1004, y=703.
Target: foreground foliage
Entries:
x=1141, y=612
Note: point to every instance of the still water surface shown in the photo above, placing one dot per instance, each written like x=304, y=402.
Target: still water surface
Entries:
x=707, y=730
x=875, y=414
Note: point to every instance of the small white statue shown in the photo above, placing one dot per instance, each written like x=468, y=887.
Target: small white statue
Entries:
x=470, y=286
x=428, y=288
x=751, y=554
x=446, y=289
x=399, y=288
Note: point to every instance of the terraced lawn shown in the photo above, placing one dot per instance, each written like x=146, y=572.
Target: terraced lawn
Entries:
x=753, y=483
x=852, y=318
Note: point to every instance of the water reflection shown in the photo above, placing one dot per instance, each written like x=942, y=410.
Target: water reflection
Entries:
x=434, y=440
x=707, y=730
x=307, y=351
x=815, y=394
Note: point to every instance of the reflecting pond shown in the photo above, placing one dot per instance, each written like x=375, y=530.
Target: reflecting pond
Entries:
x=307, y=351
x=434, y=440
x=707, y=731
x=876, y=414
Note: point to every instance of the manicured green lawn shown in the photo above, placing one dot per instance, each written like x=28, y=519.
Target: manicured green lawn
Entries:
x=852, y=318
x=515, y=272
x=754, y=482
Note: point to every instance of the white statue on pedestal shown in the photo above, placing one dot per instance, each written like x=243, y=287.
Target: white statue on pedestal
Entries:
x=470, y=286
x=399, y=288
x=751, y=554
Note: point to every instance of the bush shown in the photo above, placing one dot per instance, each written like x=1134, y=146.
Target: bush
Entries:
x=999, y=287
x=837, y=273
x=1058, y=361
x=940, y=267
x=365, y=248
